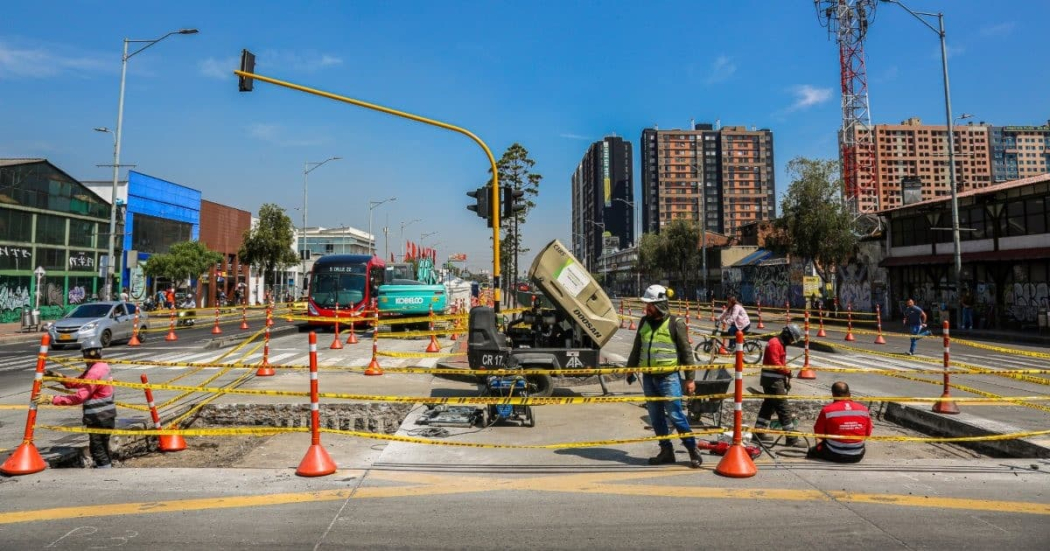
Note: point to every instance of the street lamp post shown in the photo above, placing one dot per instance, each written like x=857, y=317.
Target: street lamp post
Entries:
x=957, y=254
x=403, y=226
x=371, y=238
x=116, y=149
x=309, y=167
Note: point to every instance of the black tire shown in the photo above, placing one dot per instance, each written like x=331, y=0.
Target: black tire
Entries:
x=530, y=417
x=106, y=338
x=142, y=333
x=752, y=352
x=544, y=384
x=702, y=351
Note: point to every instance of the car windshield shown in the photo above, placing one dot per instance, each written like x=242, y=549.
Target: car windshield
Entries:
x=343, y=285
x=90, y=311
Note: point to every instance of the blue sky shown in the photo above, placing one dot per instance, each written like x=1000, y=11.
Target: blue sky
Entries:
x=553, y=76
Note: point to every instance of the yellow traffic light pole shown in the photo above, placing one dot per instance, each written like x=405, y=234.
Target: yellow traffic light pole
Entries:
x=492, y=161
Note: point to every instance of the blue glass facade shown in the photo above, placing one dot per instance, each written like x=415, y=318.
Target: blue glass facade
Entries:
x=159, y=213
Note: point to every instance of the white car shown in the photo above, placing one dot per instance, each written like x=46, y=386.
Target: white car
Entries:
x=105, y=321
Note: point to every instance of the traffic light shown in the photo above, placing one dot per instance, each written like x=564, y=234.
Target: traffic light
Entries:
x=244, y=84
x=481, y=207
x=512, y=202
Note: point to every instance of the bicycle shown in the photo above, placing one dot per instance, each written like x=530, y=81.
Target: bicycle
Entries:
x=708, y=348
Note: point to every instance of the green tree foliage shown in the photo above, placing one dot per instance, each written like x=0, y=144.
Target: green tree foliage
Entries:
x=673, y=253
x=816, y=223
x=515, y=170
x=186, y=260
x=268, y=245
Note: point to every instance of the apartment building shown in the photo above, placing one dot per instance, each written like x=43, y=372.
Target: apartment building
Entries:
x=1020, y=151
x=732, y=165
x=603, y=200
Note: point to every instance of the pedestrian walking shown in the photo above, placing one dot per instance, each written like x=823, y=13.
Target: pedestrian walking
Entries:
x=662, y=341
x=915, y=321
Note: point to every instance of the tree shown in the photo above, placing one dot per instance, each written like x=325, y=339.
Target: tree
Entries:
x=681, y=253
x=268, y=245
x=515, y=170
x=186, y=260
x=816, y=222
x=649, y=256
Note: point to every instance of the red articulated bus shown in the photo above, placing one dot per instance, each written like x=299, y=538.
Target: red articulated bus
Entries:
x=350, y=281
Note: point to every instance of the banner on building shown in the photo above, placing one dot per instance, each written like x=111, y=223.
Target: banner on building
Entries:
x=811, y=286
x=457, y=257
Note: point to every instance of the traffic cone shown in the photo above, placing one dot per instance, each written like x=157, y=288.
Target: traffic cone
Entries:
x=821, y=332
x=26, y=459
x=135, y=330
x=433, y=346
x=171, y=328
x=373, y=366
x=165, y=442
x=336, y=343
x=244, y=316
x=688, y=333
x=878, y=319
x=849, y=323
x=946, y=407
x=760, y=324
x=737, y=463
x=630, y=316
x=352, y=339
x=264, y=367
x=216, y=330
x=806, y=372
x=622, y=323
x=316, y=462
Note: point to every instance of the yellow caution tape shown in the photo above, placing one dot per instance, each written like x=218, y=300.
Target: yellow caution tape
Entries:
x=418, y=354
x=984, y=438
x=1028, y=353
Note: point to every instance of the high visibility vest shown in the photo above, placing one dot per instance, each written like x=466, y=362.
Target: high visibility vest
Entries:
x=658, y=348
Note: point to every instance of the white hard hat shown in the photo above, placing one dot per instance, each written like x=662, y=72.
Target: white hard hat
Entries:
x=655, y=293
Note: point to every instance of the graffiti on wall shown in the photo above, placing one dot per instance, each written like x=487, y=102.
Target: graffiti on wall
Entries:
x=1023, y=301
x=14, y=297
x=772, y=284
x=53, y=296
x=855, y=287
x=77, y=295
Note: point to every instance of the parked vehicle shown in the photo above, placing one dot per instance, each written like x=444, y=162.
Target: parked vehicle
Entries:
x=105, y=321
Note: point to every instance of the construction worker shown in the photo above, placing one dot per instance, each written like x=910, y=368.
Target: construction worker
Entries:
x=776, y=380
x=97, y=400
x=842, y=417
x=662, y=341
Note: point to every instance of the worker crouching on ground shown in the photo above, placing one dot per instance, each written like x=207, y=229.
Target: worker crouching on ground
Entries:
x=662, y=341
x=842, y=417
x=776, y=380
x=97, y=400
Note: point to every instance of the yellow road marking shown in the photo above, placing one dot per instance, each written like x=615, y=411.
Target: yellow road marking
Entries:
x=421, y=484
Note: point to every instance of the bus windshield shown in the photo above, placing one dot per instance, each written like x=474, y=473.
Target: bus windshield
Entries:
x=342, y=285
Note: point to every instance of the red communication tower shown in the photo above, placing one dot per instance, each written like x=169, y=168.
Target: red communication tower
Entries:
x=847, y=21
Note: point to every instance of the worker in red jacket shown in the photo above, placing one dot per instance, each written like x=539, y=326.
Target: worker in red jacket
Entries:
x=845, y=418
x=776, y=381
x=96, y=399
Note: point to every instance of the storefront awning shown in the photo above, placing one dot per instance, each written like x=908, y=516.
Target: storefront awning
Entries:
x=1039, y=253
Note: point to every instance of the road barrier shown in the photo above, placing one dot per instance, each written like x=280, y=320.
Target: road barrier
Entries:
x=946, y=406
x=737, y=463
x=165, y=442
x=316, y=462
x=26, y=459
x=806, y=372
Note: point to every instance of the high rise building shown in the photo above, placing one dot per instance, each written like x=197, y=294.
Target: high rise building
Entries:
x=915, y=156
x=603, y=200
x=733, y=164
x=1020, y=151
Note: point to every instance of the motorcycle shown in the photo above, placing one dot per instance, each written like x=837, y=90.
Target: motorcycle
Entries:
x=187, y=313
x=150, y=305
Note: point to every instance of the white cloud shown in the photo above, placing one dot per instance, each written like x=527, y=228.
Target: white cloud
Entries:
x=39, y=62
x=219, y=68
x=808, y=96
x=721, y=69
x=998, y=29
x=571, y=136
x=276, y=135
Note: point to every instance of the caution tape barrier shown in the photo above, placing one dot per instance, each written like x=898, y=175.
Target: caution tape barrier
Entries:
x=270, y=431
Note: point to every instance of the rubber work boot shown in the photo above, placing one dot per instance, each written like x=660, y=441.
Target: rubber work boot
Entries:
x=695, y=460
x=665, y=456
x=761, y=436
x=791, y=441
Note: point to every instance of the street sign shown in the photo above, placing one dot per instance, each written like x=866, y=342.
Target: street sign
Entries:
x=811, y=286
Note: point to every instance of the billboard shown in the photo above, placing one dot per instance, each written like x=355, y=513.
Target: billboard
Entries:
x=606, y=179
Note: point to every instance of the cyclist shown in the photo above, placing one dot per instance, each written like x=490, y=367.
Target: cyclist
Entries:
x=736, y=316
x=776, y=380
